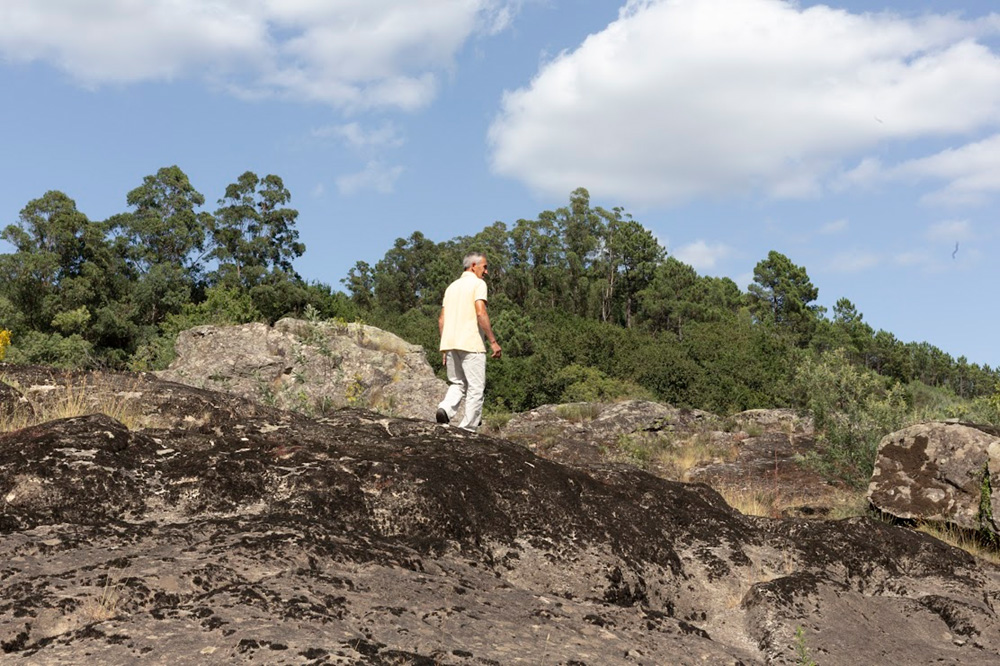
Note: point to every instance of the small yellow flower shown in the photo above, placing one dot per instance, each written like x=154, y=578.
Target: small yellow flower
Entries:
x=4, y=342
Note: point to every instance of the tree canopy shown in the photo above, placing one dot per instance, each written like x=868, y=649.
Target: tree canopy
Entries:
x=585, y=299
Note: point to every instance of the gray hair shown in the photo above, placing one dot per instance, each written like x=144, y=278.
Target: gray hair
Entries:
x=472, y=258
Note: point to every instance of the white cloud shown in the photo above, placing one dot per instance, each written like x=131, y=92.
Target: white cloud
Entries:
x=950, y=231
x=854, y=262
x=375, y=176
x=361, y=139
x=912, y=258
x=679, y=99
x=702, y=256
x=971, y=172
x=351, y=53
x=835, y=227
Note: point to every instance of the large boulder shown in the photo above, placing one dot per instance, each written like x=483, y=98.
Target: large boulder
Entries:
x=311, y=367
x=940, y=472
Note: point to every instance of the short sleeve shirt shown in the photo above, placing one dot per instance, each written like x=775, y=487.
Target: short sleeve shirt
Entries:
x=461, y=326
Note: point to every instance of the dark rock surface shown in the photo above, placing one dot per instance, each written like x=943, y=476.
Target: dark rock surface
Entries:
x=218, y=531
x=940, y=472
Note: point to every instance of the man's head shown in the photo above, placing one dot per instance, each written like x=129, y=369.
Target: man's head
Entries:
x=475, y=262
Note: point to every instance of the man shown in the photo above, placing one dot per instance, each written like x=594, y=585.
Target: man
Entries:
x=463, y=316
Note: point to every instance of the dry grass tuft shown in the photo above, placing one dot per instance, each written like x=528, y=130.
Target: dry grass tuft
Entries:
x=961, y=539
x=106, y=605
x=754, y=501
x=682, y=456
x=578, y=412
x=76, y=400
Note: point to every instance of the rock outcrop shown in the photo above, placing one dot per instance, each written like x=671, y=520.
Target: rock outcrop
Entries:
x=940, y=472
x=311, y=367
x=586, y=432
x=757, y=452
x=215, y=530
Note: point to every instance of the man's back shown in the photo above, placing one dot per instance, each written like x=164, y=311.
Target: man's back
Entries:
x=461, y=326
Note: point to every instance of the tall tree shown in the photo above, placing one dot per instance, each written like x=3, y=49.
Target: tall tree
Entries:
x=629, y=255
x=537, y=268
x=165, y=227
x=254, y=236
x=580, y=226
x=781, y=295
x=414, y=272
x=162, y=238
x=360, y=283
x=61, y=260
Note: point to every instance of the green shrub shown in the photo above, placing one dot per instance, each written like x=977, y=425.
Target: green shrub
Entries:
x=51, y=349
x=586, y=384
x=852, y=409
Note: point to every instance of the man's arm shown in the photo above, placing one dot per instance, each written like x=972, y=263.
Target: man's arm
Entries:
x=483, y=317
x=444, y=355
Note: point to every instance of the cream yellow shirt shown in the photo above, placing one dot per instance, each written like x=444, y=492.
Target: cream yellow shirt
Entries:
x=461, y=327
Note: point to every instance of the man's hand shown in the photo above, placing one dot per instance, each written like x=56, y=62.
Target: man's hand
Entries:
x=444, y=359
x=496, y=349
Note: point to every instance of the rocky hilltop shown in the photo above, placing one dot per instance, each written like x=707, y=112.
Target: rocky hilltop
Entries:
x=199, y=527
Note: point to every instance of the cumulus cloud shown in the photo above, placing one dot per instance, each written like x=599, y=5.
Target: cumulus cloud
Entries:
x=353, y=54
x=835, y=227
x=702, y=256
x=854, y=262
x=679, y=99
x=376, y=176
x=359, y=138
x=969, y=173
x=950, y=230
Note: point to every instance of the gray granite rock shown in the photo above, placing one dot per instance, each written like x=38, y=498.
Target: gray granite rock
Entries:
x=311, y=367
x=940, y=472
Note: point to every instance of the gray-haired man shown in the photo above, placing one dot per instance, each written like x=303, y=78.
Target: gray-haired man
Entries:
x=462, y=323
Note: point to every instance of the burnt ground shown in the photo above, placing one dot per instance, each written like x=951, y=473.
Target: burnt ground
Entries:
x=218, y=531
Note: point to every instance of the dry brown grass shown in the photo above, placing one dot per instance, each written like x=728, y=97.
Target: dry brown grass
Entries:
x=105, y=605
x=71, y=400
x=755, y=500
x=578, y=412
x=682, y=455
x=961, y=539
x=773, y=502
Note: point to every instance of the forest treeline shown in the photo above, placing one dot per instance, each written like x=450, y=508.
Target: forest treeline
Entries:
x=585, y=301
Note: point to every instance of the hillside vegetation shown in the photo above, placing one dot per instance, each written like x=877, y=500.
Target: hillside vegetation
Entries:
x=586, y=303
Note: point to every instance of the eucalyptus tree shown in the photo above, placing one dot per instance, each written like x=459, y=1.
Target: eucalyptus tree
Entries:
x=360, y=284
x=253, y=234
x=537, y=269
x=414, y=272
x=580, y=227
x=627, y=260
x=61, y=261
x=162, y=240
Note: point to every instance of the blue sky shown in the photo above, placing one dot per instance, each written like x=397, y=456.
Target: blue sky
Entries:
x=860, y=139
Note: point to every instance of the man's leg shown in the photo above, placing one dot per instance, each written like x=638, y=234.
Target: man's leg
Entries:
x=474, y=369
x=456, y=383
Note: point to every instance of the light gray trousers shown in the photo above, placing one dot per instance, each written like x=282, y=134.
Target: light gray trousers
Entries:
x=466, y=379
